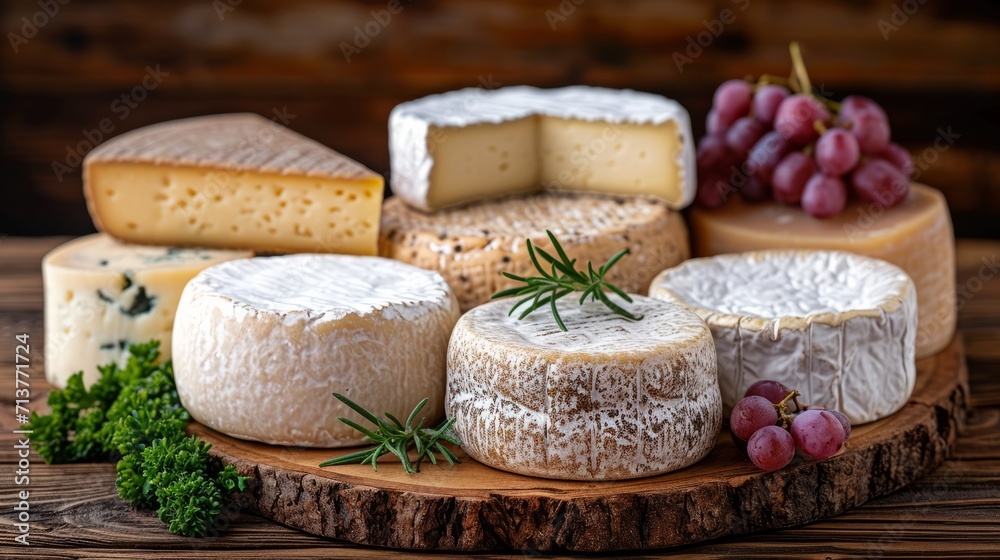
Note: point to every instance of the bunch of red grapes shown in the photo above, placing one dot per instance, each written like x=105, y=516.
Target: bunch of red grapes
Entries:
x=800, y=149
x=764, y=423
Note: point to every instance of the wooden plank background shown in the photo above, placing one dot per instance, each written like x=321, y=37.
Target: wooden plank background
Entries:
x=934, y=64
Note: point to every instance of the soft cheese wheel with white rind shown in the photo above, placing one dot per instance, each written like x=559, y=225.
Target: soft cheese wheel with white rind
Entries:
x=609, y=399
x=475, y=144
x=837, y=327
x=236, y=181
x=262, y=344
x=471, y=246
x=916, y=236
x=101, y=296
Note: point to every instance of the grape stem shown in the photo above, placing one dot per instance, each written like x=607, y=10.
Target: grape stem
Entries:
x=784, y=415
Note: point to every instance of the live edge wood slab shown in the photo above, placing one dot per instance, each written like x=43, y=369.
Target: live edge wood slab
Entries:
x=474, y=507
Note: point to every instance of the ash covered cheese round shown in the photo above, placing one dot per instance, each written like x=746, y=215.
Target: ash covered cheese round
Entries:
x=262, y=344
x=470, y=246
x=102, y=295
x=838, y=327
x=608, y=399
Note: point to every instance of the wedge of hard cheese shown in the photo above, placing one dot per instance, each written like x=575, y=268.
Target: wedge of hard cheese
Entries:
x=235, y=181
x=475, y=144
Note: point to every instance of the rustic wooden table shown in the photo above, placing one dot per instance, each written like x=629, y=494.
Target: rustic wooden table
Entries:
x=74, y=511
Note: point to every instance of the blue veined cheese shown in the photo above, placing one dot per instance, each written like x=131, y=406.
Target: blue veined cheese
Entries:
x=837, y=327
x=102, y=295
x=608, y=399
x=262, y=344
x=474, y=144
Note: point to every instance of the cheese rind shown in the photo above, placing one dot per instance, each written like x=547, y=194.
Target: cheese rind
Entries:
x=917, y=236
x=261, y=344
x=609, y=399
x=474, y=144
x=470, y=246
x=234, y=181
x=837, y=327
x=102, y=296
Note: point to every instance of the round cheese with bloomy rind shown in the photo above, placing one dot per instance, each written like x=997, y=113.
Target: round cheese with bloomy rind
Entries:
x=837, y=327
x=475, y=144
x=916, y=236
x=101, y=296
x=261, y=344
x=608, y=399
x=471, y=246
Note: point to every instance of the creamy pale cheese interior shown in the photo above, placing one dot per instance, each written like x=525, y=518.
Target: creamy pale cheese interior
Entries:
x=554, y=154
x=216, y=207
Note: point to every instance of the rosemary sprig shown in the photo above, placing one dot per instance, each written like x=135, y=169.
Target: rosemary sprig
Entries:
x=562, y=278
x=392, y=436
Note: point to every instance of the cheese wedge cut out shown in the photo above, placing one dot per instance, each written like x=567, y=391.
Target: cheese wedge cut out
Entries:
x=474, y=144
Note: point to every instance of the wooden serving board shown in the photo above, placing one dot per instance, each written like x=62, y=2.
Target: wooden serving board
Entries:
x=474, y=507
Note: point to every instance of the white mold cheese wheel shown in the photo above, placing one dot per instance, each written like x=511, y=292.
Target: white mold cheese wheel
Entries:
x=838, y=327
x=608, y=399
x=101, y=296
x=470, y=246
x=916, y=236
x=261, y=345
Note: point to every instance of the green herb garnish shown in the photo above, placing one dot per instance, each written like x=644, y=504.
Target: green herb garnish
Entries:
x=393, y=436
x=562, y=279
x=134, y=413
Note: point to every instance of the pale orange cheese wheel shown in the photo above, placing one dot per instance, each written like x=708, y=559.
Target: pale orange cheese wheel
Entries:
x=917, y=236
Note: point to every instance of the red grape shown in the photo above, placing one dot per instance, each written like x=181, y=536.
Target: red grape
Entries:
x=755, y=190
x=712, y=152
x=770, y=390
x=898, y=156
x=824, y=196
x=771, y=448
x=751, y=414
x=845, y=422
x=818, y=433
x=715, y=124
x=790, y=176
x=732, y=100
x=871, y=130
x=712, y=191
x=853, y=104
x=796, y=118
x=766, y=154
x=766, y=101
x=743, y=135
x=878, y=181
x=837, y=152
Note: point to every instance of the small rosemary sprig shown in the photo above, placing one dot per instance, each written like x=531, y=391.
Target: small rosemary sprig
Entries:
x=562, y=279
x=393, y=436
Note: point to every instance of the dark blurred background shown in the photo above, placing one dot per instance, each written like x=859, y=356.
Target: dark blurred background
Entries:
x=335, y=69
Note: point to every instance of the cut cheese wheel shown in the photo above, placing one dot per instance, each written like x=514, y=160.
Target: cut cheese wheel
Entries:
x=608, y=399
x=262, y=344
x=101, y=296
x=916, y=236
x=470, y=246
x=234, y=181
x=475, y=144
x=837, y=327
